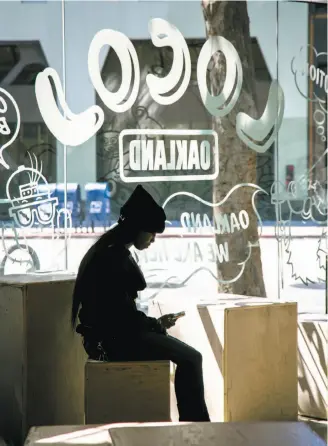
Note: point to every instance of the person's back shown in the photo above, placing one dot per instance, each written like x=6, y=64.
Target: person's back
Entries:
x=106, y=285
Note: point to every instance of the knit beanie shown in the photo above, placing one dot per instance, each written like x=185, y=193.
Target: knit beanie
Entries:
x=142, y=212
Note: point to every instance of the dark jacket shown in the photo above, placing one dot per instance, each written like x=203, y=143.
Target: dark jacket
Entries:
x=107, y=285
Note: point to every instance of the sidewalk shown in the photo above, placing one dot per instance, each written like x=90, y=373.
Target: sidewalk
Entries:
x=267, y=231
x=297, y=231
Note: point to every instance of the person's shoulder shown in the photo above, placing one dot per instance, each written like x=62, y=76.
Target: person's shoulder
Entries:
x=99, y=257
x=117, y=252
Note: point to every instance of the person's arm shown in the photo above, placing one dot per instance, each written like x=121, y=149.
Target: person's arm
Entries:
x=134, y=318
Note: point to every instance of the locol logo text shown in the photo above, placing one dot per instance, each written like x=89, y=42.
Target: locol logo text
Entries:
x=75, y=129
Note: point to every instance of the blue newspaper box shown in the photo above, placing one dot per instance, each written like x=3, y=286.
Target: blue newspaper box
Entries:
x=73, y=203
x=97, y=208
x=45, y=202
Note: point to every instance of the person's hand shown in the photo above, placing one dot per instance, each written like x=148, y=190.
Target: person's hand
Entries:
x=167, y=321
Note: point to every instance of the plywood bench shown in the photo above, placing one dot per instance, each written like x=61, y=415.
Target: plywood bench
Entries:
x=249, y=348
x=255, y=347
x=42, y=359
x=216, y=434
x=127, y=391
x=190, y=329
x=182, y=434
x=312, y=365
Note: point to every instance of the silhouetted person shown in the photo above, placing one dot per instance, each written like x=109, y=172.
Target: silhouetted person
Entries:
x=113, y=329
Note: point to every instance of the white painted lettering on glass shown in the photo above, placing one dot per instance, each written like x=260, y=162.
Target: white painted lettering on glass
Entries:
x=71, y=129
x=188, y=252
x=183, y=155
x=164, y=34
x=223, y=224
x=259, y=134
x=5, y=130
x=197, y=158
x=76, y=129
x=222, y=104
x=124, y=48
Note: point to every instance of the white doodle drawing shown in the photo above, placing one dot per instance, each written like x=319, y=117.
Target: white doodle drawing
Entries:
x=31, y=203
x=19, y=257
x=313, y=269
x=313, y=205
x=32, y=206
x=6, y=98
x=302, y=69
x=320, y=121
x=223, y=255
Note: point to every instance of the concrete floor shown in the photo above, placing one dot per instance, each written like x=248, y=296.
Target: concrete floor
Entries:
x=320, y=427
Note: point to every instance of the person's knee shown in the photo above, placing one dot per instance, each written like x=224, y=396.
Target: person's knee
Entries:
x=194, y=358
x=197, y=357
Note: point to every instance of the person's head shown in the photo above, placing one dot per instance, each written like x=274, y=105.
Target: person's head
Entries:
x=143, y=240
x=141, y=218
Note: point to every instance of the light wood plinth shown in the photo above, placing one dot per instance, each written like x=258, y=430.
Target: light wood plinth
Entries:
x=127, y=391
x=42, y=359
x=249, y=348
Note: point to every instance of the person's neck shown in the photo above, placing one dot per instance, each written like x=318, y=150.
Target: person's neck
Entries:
x=118, y=236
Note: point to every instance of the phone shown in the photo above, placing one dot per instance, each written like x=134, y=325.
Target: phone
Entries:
x=178, y=315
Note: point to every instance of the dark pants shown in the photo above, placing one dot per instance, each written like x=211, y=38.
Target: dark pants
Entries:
x=189, y=385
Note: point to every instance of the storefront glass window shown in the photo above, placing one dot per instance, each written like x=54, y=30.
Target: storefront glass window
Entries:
x=93, y=101
x=31, y=216
x=301, y=205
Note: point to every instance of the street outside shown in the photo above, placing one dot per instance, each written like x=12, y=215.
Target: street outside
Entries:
x=186, y=266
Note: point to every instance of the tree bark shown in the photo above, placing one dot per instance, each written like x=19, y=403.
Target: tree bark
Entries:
x=237, y=162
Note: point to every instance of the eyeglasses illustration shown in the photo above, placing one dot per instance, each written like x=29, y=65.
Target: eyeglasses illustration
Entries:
x=33, y=205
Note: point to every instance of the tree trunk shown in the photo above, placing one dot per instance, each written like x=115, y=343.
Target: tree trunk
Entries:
x=237, y=162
